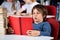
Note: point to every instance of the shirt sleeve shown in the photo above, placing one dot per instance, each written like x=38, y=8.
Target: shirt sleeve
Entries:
x=18, y=5
x=46, y=30
x=24, y=7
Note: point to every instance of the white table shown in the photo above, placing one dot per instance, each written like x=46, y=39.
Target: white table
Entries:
x=23, y=37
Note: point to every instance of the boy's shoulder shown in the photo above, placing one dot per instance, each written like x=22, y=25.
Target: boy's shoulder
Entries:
x=45, y=22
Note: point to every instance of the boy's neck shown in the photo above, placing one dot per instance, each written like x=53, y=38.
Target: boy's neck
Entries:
x=38, y=22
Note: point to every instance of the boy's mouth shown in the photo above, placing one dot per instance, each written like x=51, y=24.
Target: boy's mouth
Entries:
x=35, y=17
x=36, y=20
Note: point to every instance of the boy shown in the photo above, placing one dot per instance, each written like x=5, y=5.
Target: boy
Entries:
x=40, y=26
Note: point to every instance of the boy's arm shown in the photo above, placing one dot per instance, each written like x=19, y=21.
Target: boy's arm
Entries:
x=46, y=30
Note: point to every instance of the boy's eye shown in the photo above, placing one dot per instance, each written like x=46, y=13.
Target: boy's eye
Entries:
x=37, y=13
x=33, y=13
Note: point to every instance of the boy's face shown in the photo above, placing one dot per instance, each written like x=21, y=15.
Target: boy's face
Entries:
x=37, y=16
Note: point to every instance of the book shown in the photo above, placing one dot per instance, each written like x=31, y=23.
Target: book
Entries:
x=21, y=24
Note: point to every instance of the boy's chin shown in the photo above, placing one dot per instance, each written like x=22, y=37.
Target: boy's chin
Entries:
x=37, y=21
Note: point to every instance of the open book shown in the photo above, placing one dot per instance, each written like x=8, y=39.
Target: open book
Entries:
x=20, y=24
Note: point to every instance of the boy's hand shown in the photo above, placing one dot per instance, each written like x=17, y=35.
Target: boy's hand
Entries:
x=33, y=33
x=10, y=30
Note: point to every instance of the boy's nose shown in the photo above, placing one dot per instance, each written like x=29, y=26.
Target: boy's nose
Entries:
x=35, y=15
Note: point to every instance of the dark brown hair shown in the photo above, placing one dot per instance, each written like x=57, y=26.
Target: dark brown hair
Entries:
x=42, y=9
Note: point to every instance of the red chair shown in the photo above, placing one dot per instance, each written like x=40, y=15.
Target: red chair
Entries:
x=53, y=21
x=54, y=27
x=51, y=10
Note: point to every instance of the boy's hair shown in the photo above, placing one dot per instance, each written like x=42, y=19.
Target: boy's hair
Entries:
x=42, y=9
